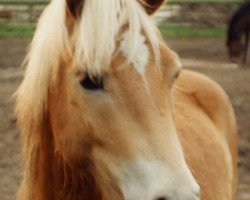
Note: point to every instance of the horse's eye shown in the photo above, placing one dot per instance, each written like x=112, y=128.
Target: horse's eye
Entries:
x=92, y=83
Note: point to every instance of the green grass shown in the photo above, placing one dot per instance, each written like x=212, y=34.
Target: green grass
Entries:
x=27, y=30
x=16, y=30
x=183, y=31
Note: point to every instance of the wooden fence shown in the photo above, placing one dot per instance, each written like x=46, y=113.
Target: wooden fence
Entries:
x=44, y=2
x=29, y=10
x=23, y=2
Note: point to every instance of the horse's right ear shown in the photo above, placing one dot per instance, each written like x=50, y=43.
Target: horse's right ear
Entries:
x=74, y=7
x=152, y=5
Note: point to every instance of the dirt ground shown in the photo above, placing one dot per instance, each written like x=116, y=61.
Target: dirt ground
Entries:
x=207, y=56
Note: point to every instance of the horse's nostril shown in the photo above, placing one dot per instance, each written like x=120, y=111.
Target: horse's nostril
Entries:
x=162, y=198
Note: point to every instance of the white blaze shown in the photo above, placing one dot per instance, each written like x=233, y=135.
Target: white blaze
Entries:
x=141, y=53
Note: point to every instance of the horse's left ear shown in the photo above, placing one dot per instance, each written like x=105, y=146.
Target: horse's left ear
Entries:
x=152, y=5
x=75, y=7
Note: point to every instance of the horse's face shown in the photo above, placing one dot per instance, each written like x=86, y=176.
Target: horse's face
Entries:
x=119, y=126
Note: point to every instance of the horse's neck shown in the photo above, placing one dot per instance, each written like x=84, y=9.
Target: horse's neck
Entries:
x=56, y=180
x=244, y=23
x=240, y=25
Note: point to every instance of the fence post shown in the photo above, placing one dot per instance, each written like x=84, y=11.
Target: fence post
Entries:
x=31, y=10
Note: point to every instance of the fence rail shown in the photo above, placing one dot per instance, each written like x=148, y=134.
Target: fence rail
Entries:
x=23, y=11
x=44, y=2
x=23, y=2
x=204, y=1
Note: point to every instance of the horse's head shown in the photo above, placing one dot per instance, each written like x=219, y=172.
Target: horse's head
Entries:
x=106, y=80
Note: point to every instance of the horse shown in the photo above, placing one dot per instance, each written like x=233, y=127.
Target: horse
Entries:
x=106, y=111
x=238, y=33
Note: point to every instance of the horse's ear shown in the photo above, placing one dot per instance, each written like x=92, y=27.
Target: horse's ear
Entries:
x=152, y=5
x=74, y=7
